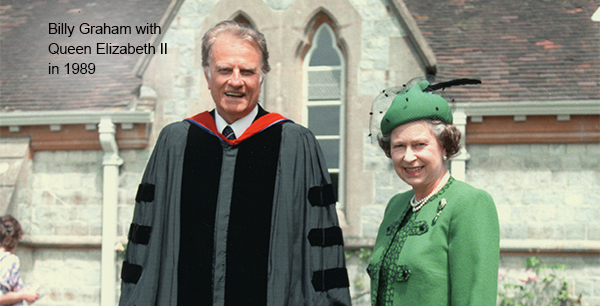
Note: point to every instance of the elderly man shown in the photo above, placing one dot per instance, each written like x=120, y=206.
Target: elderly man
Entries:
x=236, y=206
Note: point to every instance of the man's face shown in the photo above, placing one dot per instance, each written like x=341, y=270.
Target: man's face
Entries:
x=235, y=76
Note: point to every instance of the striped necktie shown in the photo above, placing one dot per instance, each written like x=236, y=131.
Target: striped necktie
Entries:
x=228, y=133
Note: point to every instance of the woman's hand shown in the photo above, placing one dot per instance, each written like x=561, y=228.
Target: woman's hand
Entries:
x=27, y=294
x=30, y=295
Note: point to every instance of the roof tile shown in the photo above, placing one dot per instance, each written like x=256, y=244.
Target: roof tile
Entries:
x=25, y=82
x=545, y=49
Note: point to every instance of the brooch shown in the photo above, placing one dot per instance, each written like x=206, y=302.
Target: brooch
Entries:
x=439, y=209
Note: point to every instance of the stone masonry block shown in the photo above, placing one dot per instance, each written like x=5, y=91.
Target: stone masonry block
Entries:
x=63, y=229
x=584, y=286
x=577, y=231
x=512, y=162
x=504, y=212
x=586, y=179
x=77, y=180
x=96, y=229
x=592, y=151
x=36, y=228
x=385, y=179
x=127, y=196
x=25, y=214
x=571, y=162
x=543, y=213
x=184, y=37
x=45, y=181
x=590, y=161
x=79, y=228
x=190, y=22
x=538, y=178
x=591, y=264
x=534, y=196
x=539, y=149
x=375, y=54
x=89, y=294
x=84, y=157
x=574, y=197
x=373, y=12
x=51, y=159
x=135, y=159
x=544, y=231
x=385, y=27
x=371, y=81
x=508, y=195
x=380, y=43
x=490, y=179
x=53, y=214
x=188, y=8
x=383, y=195
x=178, y=94
x=367, y=65
x=559, y=180
x=372, y=150
x=497, y=151
x=588, y=214
x=593, y=232
x=521, y=214
x=129, y=180
x=596, y=288
x=372, y=216
x=512, y=230
x=520, y=150
x=186, y=60
x=205, y=6
x=479, y=154
x=180, y=106
x=51, y=257
x=83, y=274
x=375, y=164
x=10, y=169
x=125, y=213
x=122, y=232
x=578, y=149
x=557, y=149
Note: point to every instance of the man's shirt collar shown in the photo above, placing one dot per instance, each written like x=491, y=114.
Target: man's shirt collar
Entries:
x=240, y=125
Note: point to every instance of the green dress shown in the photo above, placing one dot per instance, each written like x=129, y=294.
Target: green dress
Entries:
x=439, y=255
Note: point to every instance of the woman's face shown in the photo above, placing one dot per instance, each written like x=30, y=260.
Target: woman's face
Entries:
x=417, y=156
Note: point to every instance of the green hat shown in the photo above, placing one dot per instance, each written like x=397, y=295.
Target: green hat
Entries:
x=413, y=104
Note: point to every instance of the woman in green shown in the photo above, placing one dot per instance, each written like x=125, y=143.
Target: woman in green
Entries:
x=438, y=244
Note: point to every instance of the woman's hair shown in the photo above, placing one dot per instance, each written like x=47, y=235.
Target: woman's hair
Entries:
x=10, y=232
x=239, y=30
x=447, y=135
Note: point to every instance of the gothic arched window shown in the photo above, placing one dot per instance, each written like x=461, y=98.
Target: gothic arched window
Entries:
x=324, y=92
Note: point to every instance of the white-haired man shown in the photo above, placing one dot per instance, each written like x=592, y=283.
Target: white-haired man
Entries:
x=236, y=206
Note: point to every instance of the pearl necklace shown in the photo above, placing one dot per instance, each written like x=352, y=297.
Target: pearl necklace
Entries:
x=416, y=205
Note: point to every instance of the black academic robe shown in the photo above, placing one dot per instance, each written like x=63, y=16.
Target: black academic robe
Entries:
x=245, y=222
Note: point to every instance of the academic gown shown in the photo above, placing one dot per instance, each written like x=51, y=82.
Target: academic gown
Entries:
x=245, y=222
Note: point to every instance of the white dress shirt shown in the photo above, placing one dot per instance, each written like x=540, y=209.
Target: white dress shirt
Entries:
x=239, y=126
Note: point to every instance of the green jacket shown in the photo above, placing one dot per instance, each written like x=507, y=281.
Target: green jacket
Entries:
x=452, y=261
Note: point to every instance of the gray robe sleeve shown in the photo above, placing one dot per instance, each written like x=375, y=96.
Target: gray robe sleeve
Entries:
x=150, y=270
x=305, y=272
x=301, y=271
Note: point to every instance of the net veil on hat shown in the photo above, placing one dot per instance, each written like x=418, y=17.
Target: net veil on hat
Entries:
x=414, y=101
